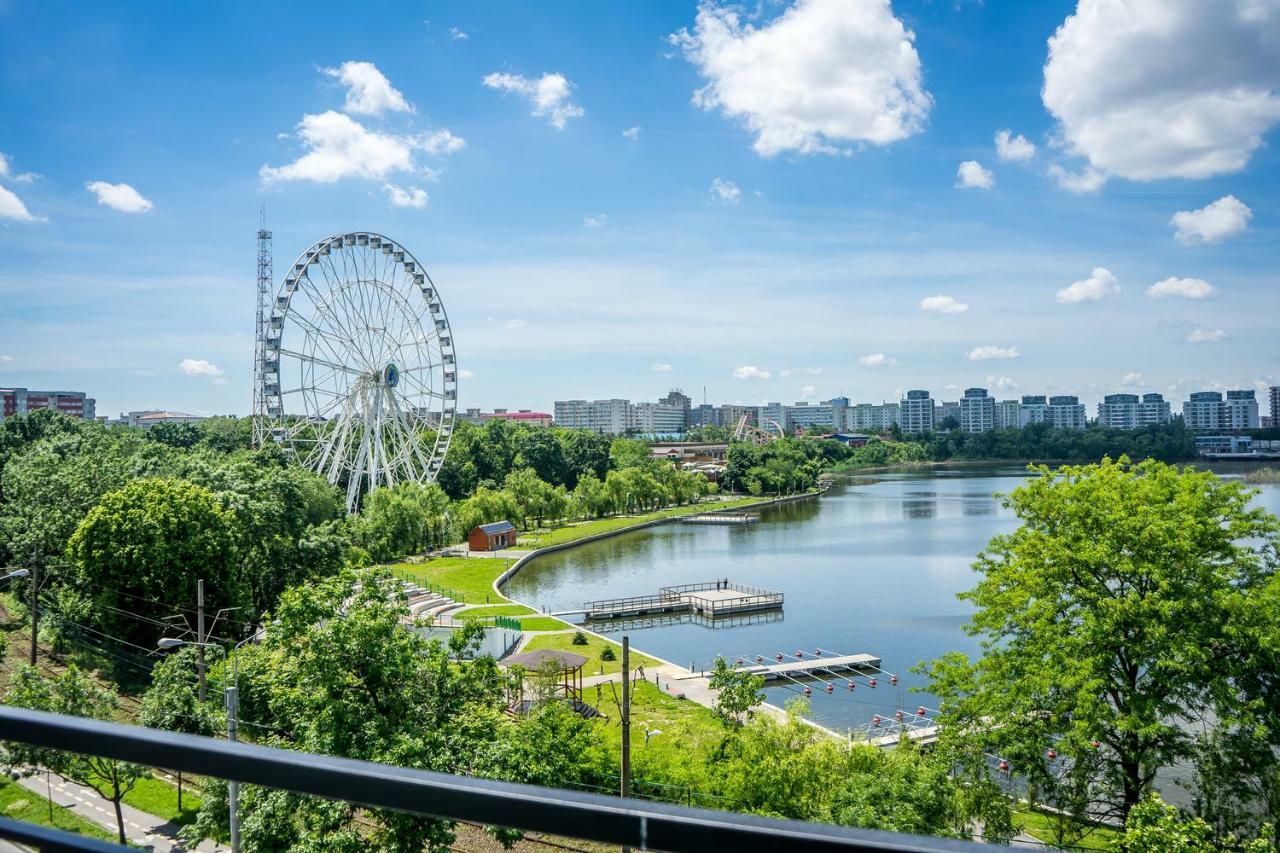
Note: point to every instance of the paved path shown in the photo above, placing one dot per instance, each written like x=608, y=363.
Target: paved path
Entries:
x=145, y=830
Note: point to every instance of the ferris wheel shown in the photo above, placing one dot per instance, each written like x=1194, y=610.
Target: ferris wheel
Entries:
x=357, y=374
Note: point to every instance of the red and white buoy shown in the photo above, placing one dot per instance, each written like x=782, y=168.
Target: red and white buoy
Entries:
x=893, y=679
x=808, y=691
x=830, y=688
x=875, y=721
x=850, y=685
x=1052, y=753
x=920, y=711
x=1004, y=766
x=871, y=682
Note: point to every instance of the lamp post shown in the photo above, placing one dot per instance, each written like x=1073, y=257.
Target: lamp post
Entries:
x=231, y=700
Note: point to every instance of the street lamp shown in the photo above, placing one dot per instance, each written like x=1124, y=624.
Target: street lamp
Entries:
x=231, y=700
x=18, y=573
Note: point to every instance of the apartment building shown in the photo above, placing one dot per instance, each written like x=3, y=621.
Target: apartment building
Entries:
x=21, y=401
x=1129, y=411
x=977, y=411
x=915, y=413
x=1065, y=411
x=1007, y=414
x=1240, y=410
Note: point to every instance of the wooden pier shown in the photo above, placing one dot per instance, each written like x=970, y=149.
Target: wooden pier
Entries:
x=711, y=599
x=720, y=518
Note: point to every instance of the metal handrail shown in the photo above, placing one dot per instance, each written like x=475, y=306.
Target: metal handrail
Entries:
x=594, y=817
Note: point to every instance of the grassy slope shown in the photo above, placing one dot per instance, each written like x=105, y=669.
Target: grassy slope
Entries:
x=1040, y=825
x=581, y=530
x=594, y=666
x=17, y=803
x=470, y=578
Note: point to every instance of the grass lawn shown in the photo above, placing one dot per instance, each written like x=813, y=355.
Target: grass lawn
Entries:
x=1041, y=825
x=594, y=666
x=581, y=530
x=468, y=579
x=158, y=797
x=17, y=803
x=684, y=735
x=494, y=610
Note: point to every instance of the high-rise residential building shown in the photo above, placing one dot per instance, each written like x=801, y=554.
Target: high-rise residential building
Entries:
x=872, y=416
x=656, y=418
x=977, y=411
x=607, y=417
x=1240, y=410
x=704, y=415
x=916, y=412
x=1203, y=410
x=1034, y=409
x=1067, y=412
x=1274, y=393
x=21, y=401
x=1128, y=411
x=828, y=415
x=1008, y=413
x=946, y=409
x=679, y=400
x=771, y=416
x=732, y=414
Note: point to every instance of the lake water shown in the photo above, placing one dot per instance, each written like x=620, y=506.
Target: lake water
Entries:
x=873, y=566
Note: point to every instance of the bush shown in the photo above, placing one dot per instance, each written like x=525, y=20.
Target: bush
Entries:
x=607, y=653
x=579, y=638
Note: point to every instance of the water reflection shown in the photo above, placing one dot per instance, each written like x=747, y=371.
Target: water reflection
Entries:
x=872, y=567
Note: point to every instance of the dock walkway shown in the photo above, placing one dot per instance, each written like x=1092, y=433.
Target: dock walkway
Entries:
x=712, y=598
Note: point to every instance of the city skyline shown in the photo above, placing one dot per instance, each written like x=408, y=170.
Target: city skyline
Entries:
x=611, y=208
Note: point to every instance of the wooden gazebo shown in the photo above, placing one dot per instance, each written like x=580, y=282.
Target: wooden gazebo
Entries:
x=569, y=666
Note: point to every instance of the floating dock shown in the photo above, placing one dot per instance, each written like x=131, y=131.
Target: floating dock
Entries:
x=835, y=666
x=720, y=518
x=711, y=599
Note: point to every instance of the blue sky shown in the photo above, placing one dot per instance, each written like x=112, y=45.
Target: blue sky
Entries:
x=770, y=238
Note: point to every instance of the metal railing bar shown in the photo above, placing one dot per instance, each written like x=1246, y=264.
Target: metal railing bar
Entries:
x=46, y=838
x=594, y=817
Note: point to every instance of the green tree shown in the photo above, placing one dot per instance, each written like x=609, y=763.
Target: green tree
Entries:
x=403, y=519
x=75, y=694
x=1154, y=827
x=175, y=434
x=1104, y=621
x=538, y=449
x=737, y=692
x=150, y=542
x=172, y=702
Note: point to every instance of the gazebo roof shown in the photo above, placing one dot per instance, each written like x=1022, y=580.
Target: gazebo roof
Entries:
x=535, y=659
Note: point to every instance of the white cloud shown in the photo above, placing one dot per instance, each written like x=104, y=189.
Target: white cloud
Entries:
x=11, y=207
x=1159, y=89
x=1014, y=149
x=457, y=34
x=660, y=367
x=405, y=196
x=1100, y=283
x=340, y=147
x=1182, y=288
x=515, y=324
x=5, y=359
x=725, y=191
x=200, y=367
x=876, y=359
x=1087, y=180
x=1212, y=223
x=750, y=371
x=988, y=352
x=822, y=74
x=438, y=142
x=596, y=221
x=369, y=92
x=812, y=371
x=941, y=304
x=1206, y=336
x=549, y=95
x=972, y=174
x=121, y=197
x=6, y=172
x=1131, y=378
x=807, y=391
x=632, y=133
x=1001, y=383
x=463, y=373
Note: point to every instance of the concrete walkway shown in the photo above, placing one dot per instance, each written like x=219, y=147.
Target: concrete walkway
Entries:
x=145, y=830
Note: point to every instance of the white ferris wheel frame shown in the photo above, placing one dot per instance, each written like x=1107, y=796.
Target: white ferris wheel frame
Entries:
x=358, y=361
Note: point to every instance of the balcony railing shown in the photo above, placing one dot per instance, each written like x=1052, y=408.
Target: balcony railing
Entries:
x=594, y=817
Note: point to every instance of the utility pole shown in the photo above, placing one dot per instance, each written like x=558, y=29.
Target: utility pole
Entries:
x=626, y=716
x=626, y=722
x=201, y=639
x=233, y=787
x=35, y=611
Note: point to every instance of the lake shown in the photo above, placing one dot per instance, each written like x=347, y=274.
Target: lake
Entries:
x=873, y=566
